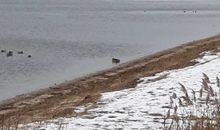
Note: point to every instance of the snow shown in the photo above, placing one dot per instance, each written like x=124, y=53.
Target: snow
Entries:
x=144, y=106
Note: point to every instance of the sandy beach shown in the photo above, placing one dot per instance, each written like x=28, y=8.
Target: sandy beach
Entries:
x=59, y=101
x=169, y=100
x=56, y=60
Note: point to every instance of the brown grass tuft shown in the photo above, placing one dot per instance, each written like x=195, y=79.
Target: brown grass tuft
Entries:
x=201, y=114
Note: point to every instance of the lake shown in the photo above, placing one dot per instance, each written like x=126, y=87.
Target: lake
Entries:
x=67, y=39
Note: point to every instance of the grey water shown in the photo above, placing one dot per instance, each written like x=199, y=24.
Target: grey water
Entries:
x=71, y=38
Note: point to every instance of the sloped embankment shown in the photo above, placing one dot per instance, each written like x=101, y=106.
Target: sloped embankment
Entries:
x=59, y=100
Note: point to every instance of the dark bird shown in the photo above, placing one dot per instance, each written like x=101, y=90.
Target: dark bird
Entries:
x=29, y=56
x=20, y=52
x=3, y=51
x=10, y=53
x=115, y=61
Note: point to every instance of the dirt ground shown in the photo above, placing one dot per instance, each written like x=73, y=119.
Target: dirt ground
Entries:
x=60, y=100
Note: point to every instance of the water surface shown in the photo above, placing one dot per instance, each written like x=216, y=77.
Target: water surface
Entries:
x=71, y=38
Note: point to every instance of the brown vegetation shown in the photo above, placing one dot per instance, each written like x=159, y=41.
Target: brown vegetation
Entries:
x=59, y=100
x=197, y=113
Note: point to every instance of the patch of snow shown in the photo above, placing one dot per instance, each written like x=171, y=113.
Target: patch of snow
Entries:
x=141, y=107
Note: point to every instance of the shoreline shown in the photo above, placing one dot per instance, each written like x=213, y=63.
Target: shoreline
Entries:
x=59, y=101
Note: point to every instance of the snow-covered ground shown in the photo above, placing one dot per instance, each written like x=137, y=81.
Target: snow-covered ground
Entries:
x=70, y=38
x=141, y=107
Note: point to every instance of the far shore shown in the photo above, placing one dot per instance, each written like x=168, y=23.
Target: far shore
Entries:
x=59, y=101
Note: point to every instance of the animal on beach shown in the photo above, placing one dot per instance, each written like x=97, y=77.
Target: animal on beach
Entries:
x=115, y=61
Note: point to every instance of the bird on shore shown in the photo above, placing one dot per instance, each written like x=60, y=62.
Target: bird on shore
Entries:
x=115, y=61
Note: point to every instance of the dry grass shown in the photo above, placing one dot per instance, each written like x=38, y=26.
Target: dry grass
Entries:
x=48, y=103
x=201, y=111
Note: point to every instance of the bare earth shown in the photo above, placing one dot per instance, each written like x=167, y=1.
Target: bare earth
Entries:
x=59, y=100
